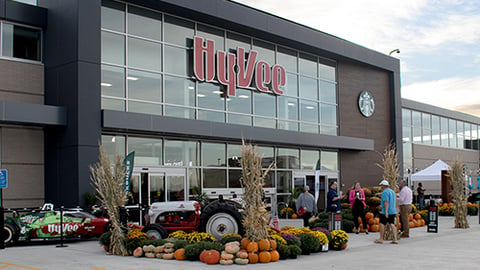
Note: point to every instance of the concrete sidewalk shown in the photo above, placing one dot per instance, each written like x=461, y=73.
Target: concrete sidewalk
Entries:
x=450, y=248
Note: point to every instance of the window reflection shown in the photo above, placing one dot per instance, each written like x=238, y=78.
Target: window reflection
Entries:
x=144, y=54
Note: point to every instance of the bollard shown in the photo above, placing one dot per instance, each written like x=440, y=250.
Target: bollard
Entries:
x=61, y=228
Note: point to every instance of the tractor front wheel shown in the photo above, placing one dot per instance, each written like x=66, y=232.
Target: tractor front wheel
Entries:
x=155, y=231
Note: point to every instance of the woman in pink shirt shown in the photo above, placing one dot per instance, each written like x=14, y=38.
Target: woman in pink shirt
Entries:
x=357, y=204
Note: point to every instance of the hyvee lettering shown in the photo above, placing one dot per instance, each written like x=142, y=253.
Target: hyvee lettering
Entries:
x=266, y=78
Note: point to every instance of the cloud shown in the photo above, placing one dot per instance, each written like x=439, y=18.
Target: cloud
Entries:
x=455, y=93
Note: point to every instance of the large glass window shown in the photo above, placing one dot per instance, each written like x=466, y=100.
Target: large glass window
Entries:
x=181, y=153
x=152, y=53
x=148, y=151
x=213, y=154
x=21, y=42
x=144, y=23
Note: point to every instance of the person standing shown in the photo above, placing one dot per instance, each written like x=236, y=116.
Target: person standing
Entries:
x=357, y=204
x=421, y=196
x=405, y=202
x=333, y=199
x=389, y=211
x=307, y=201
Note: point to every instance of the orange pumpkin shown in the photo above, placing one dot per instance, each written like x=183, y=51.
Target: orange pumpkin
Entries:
x=244, y=242
x=179, y=254
x=410, y=217
x=411, y=224
x=275, y=256
x=252, y=257
x=252, y=247
x=422, y=222
x=202, y=255
x=377, y=220
x=264, y=257
x=273, y=244
x=264, y=244
x=375, y=228
x=294, y=216
x=369, y=215
x=371, y=221
x=418, y=216
x=211, y=257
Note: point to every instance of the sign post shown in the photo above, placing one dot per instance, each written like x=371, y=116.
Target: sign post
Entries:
x=432, y=225
x=3, y=184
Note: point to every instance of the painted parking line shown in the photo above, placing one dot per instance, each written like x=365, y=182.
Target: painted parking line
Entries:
x=5, y=265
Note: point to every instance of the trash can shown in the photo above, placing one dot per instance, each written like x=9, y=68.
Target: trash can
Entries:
x=432, y=225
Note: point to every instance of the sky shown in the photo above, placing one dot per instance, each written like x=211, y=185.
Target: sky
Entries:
x=439, y=41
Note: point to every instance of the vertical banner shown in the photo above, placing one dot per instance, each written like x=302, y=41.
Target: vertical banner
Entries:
x=128, y=163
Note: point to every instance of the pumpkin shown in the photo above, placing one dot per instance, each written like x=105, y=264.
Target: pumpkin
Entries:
x=377, y=220
x=264, y=257
x=241, y=261
x=371, y=221
x=242, y=254
x=275, y=256
x=294, y=216
x=179, y=254
x=423, y=222
x=167, y=256
x=202, y=255
x=252, y=247
x=410, y=217
x=252, y=257
x=149, y=248
x=168, y=250
x=375, y=228
x=264, y=244
x=232, y=247
x=244, y=242
x=159, y=255
x=418, y=216
x=273, y=244
x=211, y=257
x=169, y=245
x=159, y=249
x=149, y=254
x=226, y=262
x=226, y=256
x=138, y=252
x=369, y=215
x=411, y=224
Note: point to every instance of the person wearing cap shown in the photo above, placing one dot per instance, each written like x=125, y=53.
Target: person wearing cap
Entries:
x=307, y=201
x=388, y=213
x=405, y=202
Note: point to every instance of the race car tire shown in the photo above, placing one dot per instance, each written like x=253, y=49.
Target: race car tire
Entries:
x=11, y=232
x=107, y=226
x=221, y=217
x=155, y=231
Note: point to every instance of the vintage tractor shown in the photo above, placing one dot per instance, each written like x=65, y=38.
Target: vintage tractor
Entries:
x=218, y=218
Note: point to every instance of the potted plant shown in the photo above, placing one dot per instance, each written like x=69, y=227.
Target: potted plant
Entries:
x=338, y=240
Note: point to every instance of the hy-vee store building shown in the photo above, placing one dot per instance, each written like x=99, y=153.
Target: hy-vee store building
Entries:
x=181, y=83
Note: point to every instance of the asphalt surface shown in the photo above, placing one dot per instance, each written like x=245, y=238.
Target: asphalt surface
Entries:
x=450, y=248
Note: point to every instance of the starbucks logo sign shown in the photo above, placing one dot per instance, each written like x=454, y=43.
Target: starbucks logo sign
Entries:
x=366, y=103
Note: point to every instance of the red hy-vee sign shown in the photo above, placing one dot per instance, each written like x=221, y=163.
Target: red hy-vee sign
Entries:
x=265, y=78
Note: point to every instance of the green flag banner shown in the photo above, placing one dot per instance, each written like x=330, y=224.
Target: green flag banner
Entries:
x=128, y=162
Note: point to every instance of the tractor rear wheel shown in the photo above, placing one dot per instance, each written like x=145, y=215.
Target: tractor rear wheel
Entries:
x=221, y=217
x=155, y=231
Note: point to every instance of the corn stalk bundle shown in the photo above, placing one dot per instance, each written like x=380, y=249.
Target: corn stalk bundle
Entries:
x=255, y=213
x=459, y=198
x=390, y=173
x=111, y=193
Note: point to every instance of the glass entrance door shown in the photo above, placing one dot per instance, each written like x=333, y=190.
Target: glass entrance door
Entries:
x=150, y=185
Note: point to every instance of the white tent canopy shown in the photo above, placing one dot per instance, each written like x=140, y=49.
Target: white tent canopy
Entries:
x=432, y=172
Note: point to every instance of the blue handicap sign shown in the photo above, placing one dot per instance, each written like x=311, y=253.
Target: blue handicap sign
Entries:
x=3, y=179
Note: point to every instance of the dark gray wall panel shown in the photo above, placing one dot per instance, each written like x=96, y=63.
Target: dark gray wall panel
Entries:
x=143, y=123
x=31, y=114
x=23, y=13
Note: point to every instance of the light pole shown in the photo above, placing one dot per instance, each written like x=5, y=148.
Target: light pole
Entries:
x=395, y=50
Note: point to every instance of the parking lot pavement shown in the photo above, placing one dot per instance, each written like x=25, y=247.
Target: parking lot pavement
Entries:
x=450, y=248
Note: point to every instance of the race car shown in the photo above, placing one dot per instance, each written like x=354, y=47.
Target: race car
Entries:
x=45, y=223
